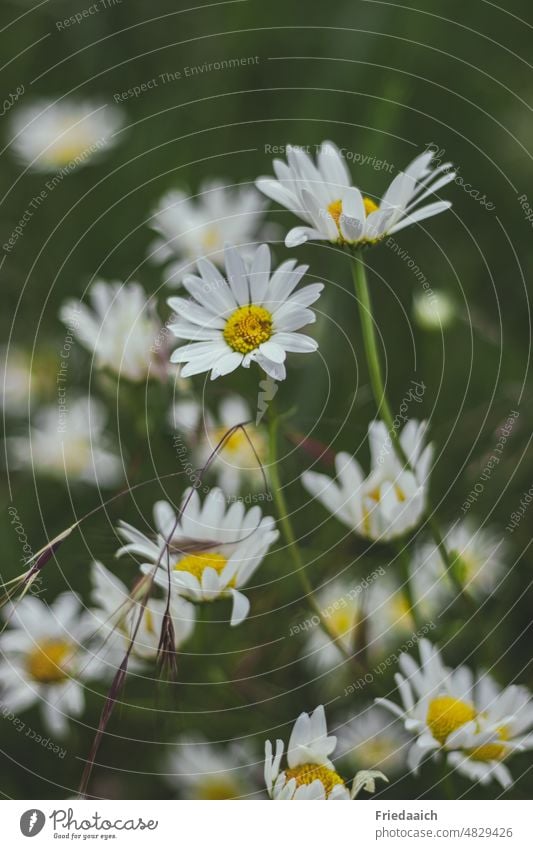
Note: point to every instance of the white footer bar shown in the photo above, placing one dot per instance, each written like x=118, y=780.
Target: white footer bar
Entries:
x=267, y=825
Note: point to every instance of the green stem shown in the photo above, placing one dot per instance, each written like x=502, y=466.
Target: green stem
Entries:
x=371, y=349
x=384, y=410
x=290, y=538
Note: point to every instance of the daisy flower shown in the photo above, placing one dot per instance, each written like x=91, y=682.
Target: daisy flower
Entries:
x=479, y=558
x=391, y=500
x=117, y=611
x=309, y=773
x=16, y=381
x=388, y=616
x=121, y=329
x=503, y=726
x=25, y=378
x=211, y=553
x=473, y=724
x=434, y=313
x=236, y=463
x=373, y=740
x=69, y=443
x=322, y=195
x=373, y=618
x=43, y=661
x=203, y=770
x=342, y=608
x=249, y=317
x=52, y=135
x=189, y=228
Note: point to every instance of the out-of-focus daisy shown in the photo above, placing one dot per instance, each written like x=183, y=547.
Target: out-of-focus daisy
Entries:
x=68, y=442
x=388, y=617
x=122, y=329
x=211, y=553
x=203, y=770
x=24, y=379
x=118, y=609
x=52, y=135
x=236, y=463
x=479, y=558
x=43, y=659
x=334, y=210
x=391, y=500
x=16, y=380
x=371, y=739
x=342, y=608
x=193, y=227
x=372, y=620
x=435, y=312
x=309, y=773
x=250, y=317
x=473, y=724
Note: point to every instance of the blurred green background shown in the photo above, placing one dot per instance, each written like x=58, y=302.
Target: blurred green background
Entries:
x=381, y=79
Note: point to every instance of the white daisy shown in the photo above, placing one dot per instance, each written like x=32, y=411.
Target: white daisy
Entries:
x=122, y=329
x=374, y=618
x=334, y=210
x=52, y=135
x=203, y=770
x=117, y=612
x=371, y=739
x=43, y=658
x=503, y=725
x=16, y=384
x=473, y=724
x=479, y=560
x=212, y=552
x=236, y=463
x=342, y=608
x=189, y=228
x=24, y=379
x=309, y=773
x=435, y=312
x=69, y=442
x=391, y=500
x=250, y=317
x=388, y=616
x=436, y=701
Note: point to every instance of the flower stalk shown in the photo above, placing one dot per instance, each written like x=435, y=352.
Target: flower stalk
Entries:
x=384, y=411
x=290, y=538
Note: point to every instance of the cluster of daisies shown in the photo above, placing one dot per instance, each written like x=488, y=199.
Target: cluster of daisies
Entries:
x=235, y=308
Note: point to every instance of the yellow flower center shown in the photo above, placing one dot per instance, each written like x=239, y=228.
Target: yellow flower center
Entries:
x=446, y=714
x=233, y=443
x=464, y=567
x=375, y=494
x=196, y=563
x=217, y=788
x=46, y=662
x=374, y=752
x=211, y=239
x=248, y=328
x=342, y=621
x=369, y=205
x=335, y=208
x=491, y=751
x=307, y=773
x=72, y=143
x=149, y=620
